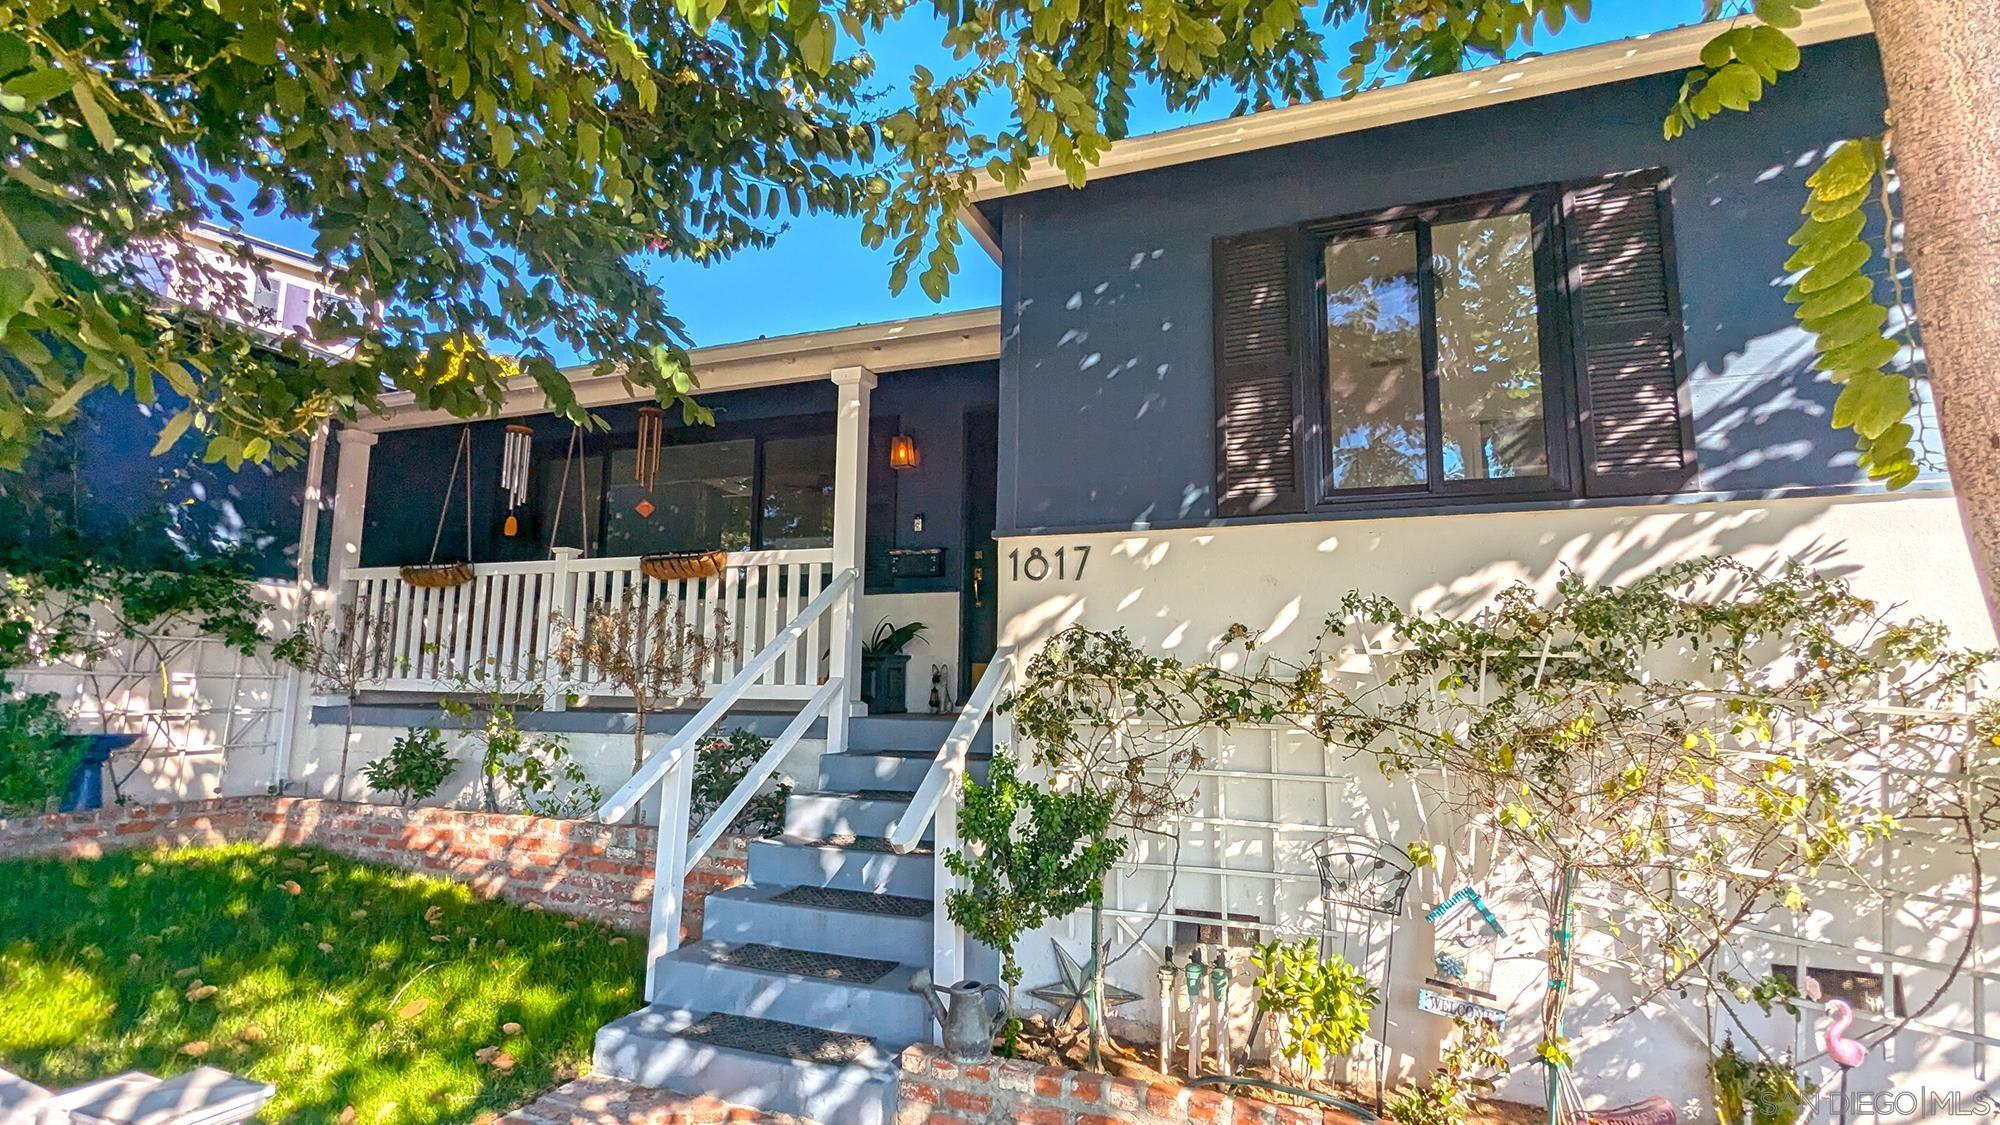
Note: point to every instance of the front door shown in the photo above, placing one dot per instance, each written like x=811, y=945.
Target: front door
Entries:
x=979, y=627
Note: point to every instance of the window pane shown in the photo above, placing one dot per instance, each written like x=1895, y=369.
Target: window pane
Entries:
x=798, y=492
x=1375, y=364
x=700, y=500
x=1489, y=350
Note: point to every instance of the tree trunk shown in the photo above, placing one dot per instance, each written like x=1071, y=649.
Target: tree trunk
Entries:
x=638, y=734
x=1942, y=59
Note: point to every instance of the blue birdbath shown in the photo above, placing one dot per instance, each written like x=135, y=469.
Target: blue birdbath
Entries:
x=86, y=782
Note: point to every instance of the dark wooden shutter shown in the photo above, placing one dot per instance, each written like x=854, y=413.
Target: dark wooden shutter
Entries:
x=880, y=526
x=1257, y=399
x=1630, y=355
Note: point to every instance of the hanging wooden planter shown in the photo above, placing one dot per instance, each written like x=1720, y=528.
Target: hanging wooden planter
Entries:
x=437, y=575
x=683, y=564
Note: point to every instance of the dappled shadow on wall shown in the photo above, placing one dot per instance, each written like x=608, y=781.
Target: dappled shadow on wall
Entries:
x=1179, y=592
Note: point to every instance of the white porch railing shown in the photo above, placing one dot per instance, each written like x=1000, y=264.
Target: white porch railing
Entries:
x=936, y=801
x=498, y=630
x=671, y=768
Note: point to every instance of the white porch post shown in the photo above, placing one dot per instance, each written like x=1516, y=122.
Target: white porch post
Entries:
x=850, y=506
x=350, y=504
x=295, y=679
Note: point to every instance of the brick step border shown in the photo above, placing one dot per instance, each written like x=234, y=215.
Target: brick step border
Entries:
x=603, y=872
x=938, y=1091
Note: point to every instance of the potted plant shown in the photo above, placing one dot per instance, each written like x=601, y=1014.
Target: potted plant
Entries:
x=885, y=667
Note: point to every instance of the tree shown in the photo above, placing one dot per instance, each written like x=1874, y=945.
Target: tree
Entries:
x=645, y=647
x=1944, y=80
x=475, y=172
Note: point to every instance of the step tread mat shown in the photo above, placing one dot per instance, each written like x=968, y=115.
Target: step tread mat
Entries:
x=776, y=1038
x=865, y=902
x=853, y=843
x=823, y=966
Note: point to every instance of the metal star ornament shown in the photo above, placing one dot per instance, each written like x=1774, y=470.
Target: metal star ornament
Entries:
x=1072, y=993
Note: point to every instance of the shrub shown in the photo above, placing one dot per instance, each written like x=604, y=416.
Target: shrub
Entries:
x=37, y=755
x=1323, y=1003
x=720, y=763
x=1759, y=1091
x=1031, y=856
x=1471, y=1064
x=416, y=764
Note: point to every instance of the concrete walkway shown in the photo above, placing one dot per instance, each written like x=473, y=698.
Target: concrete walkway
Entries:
x=608, y=1101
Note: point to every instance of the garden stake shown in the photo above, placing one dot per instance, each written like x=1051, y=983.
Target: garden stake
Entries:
x=1166, y=1007
x=1195, y=972
x=1218, y=981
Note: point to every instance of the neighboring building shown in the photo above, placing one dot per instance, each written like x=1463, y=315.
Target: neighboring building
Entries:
x=1426, y=342
x=212, y=720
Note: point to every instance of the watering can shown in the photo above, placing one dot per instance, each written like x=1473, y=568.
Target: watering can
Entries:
x=968, y=1027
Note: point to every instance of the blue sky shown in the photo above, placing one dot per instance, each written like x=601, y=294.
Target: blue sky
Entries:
x=818, y=275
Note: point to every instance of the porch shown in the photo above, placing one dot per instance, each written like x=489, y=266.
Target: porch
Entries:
x=794, y=481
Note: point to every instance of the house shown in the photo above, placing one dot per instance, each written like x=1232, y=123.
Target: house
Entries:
x=1427, y=342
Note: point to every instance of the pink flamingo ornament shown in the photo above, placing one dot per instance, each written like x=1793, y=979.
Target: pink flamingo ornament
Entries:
x=1846, y=1053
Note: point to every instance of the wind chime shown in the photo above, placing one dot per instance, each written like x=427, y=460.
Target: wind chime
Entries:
x=672, y=565
x=452, y=572
x=514, y=464
x=646, y=470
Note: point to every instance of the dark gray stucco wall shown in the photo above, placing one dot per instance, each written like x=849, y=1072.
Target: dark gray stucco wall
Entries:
x=409, y=468
x=100, y=477
x=1106, y=391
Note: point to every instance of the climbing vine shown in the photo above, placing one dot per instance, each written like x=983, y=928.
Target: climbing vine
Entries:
x=1859, y=339
x=1662, y=767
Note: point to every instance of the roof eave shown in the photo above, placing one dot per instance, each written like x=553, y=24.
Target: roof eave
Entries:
x=1500, y=84
x=885, y=346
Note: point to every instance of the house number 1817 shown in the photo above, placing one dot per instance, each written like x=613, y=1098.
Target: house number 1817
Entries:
x=1036, y=565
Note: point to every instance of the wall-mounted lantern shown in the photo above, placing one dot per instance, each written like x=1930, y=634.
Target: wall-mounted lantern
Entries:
x=903, y=452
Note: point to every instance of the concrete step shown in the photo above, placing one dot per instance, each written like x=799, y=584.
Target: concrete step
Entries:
x=924, y=733
x=900, y=771
x=854, y=812
x=765, y=1064
x=819, y=920
x=848, y=863
x=835, y=993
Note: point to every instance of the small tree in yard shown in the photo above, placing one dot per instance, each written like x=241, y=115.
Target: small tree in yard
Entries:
x=415, y=766
x=1032, y=856
x=340, y=650
x=648, y=649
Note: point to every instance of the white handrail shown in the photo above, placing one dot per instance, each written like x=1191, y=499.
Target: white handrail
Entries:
x=725, y=813
x=949, y=766
x=727, y=696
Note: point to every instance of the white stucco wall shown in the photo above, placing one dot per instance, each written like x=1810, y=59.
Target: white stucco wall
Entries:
x=1178, y=591
x=938, y=643
x=605, y=758
x=212, y=721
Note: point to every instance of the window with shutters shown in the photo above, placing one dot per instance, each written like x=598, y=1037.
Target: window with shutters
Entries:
x=1517, y=346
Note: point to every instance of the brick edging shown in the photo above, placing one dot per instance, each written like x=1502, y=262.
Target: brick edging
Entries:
x=599, y=871
x=938, y=1091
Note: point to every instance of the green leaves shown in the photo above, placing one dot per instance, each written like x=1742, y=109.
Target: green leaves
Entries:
x=1031, y=856
x=1325, y=1004
x=1736, y=67
x=473, y=172
x=1837, y=302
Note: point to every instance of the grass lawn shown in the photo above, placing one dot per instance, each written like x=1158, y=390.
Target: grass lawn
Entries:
x=342, y=983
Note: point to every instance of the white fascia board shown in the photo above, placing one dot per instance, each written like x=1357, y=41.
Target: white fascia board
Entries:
x=1565, y=71
x=896, y=345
